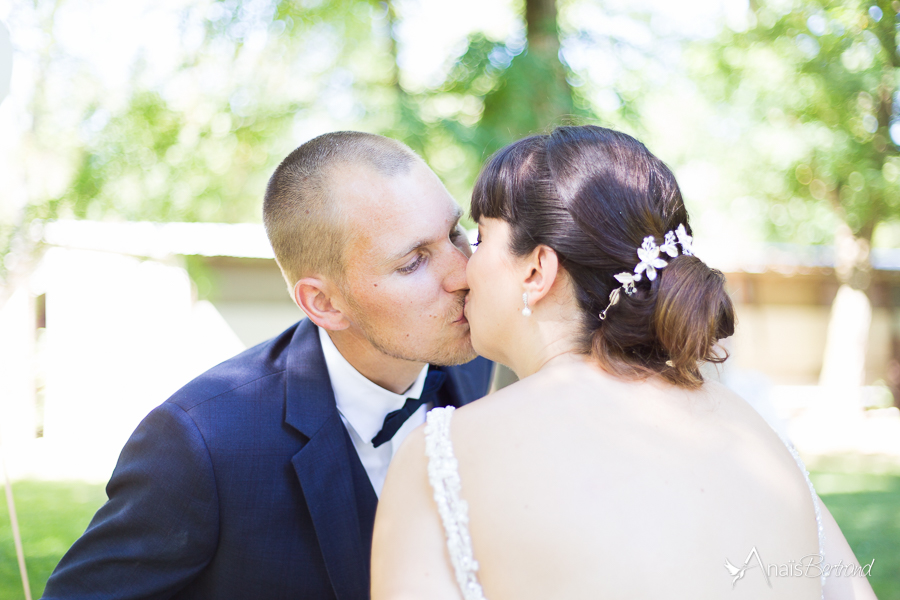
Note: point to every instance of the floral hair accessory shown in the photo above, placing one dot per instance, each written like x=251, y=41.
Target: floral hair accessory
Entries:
x=650, y=262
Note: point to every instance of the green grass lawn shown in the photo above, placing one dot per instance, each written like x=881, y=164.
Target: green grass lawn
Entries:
x=867, y=507
x=53, y=514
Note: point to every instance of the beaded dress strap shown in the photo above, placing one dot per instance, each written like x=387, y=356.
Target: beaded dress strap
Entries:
x=819, y=527
x=443, y=474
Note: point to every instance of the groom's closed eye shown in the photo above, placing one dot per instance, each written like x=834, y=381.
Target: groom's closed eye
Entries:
x=454, y=230
x=458, y=236
x=413, y=265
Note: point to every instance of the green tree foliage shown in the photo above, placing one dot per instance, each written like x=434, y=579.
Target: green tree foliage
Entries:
x=522, y=87
x=152, y=163
x=824, y=75
x=199, y=143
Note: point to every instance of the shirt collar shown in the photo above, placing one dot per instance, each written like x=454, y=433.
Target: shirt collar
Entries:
x=361, y=402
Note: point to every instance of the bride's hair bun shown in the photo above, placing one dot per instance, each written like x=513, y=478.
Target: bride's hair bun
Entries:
x=669, y=328
x=594, y=195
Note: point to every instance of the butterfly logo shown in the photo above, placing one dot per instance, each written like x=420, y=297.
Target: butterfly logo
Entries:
x=738, y=572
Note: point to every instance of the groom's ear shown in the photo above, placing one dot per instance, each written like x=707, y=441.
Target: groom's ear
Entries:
x=314, y=297
x=542, y=267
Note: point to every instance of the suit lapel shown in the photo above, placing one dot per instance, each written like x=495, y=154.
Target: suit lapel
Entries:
x=338, y=493
x=325, y=468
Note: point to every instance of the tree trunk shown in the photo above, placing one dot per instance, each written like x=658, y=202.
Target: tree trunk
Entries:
x=844, y=362
x=533, y=94
x=843, y=366
x=541, y=26
x=543, y=45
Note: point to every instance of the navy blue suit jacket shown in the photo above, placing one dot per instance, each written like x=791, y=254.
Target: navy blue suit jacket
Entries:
x=242, y=485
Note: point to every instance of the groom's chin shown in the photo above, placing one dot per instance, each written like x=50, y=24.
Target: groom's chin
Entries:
x=460, y=354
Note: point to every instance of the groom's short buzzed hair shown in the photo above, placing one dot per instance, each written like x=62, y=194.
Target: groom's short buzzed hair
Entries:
x=303, y=219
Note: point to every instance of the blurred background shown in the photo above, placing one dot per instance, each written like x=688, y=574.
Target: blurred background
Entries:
x=136, y=139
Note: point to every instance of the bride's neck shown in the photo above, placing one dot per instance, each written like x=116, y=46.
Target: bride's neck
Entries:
x=555, y=352
x=550, y=336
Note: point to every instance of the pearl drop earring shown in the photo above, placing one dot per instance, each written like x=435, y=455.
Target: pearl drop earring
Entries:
x=526, y=312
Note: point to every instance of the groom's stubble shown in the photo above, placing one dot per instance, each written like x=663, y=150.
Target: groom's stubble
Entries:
x=434, y=354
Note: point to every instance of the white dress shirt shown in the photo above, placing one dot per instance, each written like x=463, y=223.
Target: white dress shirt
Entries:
x=363, y=405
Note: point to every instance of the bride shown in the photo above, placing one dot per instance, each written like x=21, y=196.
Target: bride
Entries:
x=612, y=469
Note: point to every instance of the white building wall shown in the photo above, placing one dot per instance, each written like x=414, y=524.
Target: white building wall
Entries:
x=122, y=335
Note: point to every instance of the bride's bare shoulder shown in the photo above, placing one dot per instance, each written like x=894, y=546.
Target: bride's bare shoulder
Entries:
x=498, y=405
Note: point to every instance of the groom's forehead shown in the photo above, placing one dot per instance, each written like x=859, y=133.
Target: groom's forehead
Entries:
x=366, y=195
x=419, y=235
x=388, y=223
x=392, y=234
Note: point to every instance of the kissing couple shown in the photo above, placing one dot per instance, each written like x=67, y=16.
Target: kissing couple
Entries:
x=611, y=469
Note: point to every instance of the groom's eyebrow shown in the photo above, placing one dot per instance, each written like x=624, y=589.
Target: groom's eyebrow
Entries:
x=457, y=215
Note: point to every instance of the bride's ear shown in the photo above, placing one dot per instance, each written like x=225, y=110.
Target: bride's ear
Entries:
x=542, y=269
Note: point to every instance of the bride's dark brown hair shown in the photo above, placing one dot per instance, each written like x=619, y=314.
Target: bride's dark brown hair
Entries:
x=593, y=195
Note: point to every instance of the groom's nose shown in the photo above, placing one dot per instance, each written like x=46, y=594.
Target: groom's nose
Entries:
x=454, y=277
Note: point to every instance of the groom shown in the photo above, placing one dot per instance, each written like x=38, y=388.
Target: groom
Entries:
x=259, y=479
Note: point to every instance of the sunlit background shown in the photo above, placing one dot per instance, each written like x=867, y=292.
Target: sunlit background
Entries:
x=136, y=139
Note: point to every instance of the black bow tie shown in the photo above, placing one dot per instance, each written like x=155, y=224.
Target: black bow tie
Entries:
x=395, y=419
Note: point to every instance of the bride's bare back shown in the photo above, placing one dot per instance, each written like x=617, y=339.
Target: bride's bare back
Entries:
x=628, y=490
x=580, y=485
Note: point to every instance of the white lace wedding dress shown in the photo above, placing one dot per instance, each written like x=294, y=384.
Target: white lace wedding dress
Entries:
x=443, y=474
